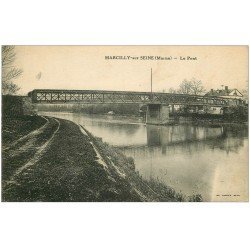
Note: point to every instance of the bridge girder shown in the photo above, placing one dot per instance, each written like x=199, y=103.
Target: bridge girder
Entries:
x=119, y=97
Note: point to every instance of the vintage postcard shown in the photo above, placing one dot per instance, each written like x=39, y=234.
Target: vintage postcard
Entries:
x=125, y=123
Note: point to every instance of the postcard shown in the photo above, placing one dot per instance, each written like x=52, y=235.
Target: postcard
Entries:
x=125, y=123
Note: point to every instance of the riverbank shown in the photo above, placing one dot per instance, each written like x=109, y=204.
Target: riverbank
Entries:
x=210, y=122
x=61, y=161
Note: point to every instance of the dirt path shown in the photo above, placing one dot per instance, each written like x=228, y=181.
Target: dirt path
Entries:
x=29, y=136
x=42, y=149
x=64, y=167
x=67, y=163
x=27, y=150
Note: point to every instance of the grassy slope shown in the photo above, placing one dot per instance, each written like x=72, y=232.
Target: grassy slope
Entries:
x=15, y=128
x=69, y=170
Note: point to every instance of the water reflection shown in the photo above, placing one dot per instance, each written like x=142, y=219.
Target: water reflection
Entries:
x=191, y=159
x=187, y=157
x=223, y=137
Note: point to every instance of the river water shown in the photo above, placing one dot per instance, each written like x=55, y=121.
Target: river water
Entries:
x=211, y=161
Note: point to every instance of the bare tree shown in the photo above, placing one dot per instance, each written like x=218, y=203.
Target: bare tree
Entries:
x=189, y=87
x=172, y=91
x=9, y=71
x=197, y=87
x=185, y=87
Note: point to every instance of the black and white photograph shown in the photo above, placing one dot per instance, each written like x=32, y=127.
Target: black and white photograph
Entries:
x=125, y=123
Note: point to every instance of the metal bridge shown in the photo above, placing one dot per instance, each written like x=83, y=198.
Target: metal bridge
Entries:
x=109, y=97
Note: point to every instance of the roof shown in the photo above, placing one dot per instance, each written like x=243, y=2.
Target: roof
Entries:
x=224, y=92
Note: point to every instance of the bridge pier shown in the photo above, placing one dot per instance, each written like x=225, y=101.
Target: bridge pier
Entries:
x=157, y=114
x=172, y=109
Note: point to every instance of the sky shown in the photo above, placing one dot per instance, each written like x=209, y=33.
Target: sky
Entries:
x=85, y=67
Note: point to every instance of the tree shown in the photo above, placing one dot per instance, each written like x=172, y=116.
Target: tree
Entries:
x=244, y=92
x=9, y=71
x=197, y=87
x=172, y=91
x=189, y=87
x=185, y=87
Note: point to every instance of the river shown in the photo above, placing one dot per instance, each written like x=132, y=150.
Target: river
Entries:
x=211, y=161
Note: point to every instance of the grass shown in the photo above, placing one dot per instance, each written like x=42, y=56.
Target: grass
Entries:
x=14, y=128
x=69, y=170
x=20, y=153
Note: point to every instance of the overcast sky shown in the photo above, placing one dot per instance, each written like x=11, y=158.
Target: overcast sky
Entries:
x=85, y=67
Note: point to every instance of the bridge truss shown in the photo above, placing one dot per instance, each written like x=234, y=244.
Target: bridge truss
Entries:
x=109, y=97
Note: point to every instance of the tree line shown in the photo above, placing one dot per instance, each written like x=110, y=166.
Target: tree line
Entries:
x=118, y=109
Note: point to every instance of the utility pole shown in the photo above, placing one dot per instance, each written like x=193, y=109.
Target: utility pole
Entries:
x=151, y=82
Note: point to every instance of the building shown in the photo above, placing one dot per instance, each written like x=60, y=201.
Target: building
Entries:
x=228, y=93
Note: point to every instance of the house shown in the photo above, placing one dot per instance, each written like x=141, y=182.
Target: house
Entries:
x=215, y=110
x=228, y=93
